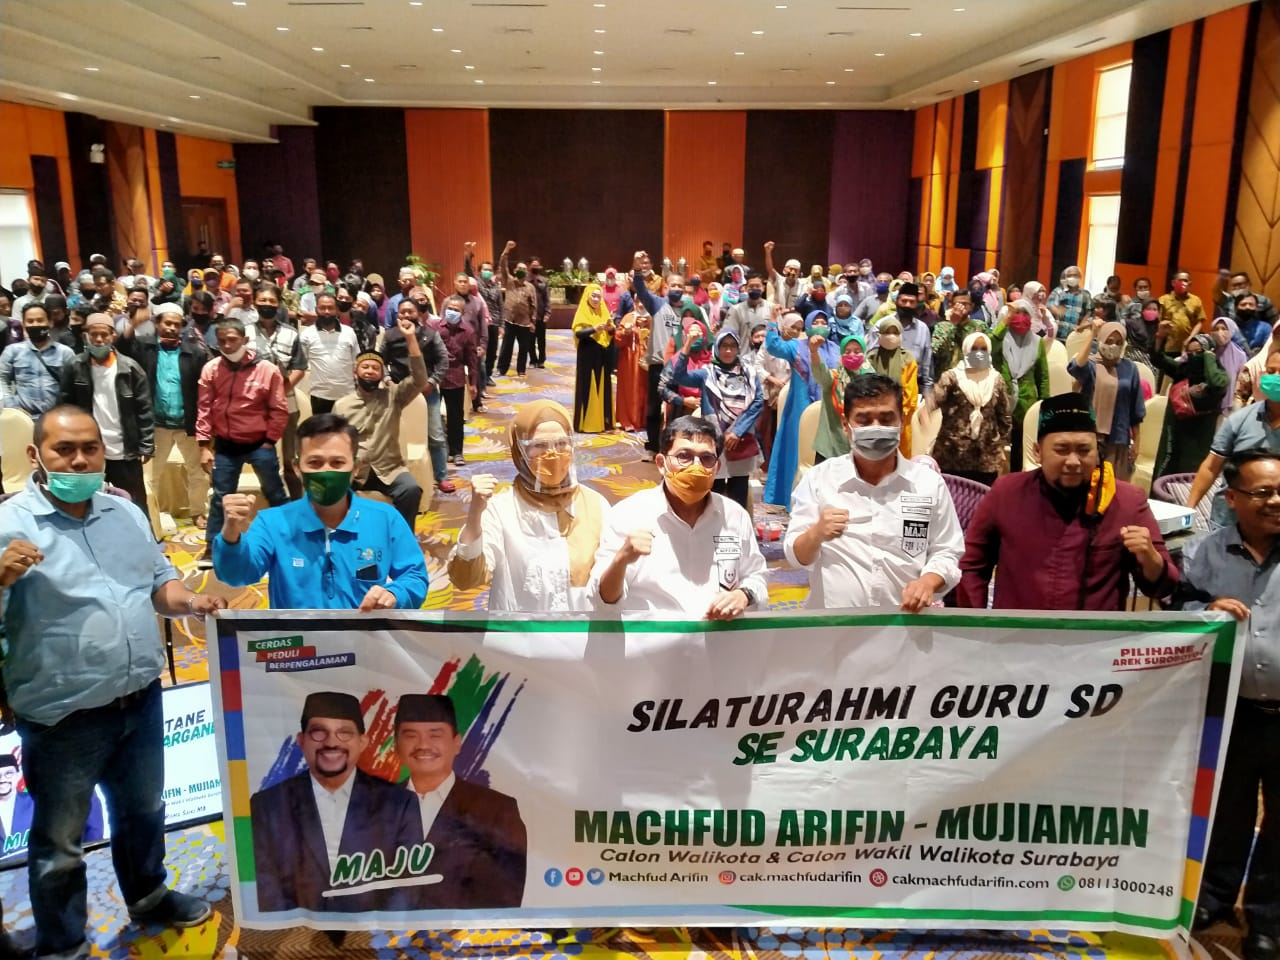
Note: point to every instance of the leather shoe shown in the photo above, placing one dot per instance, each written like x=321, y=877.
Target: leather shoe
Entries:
x=1259, y=946
x=1206, y=918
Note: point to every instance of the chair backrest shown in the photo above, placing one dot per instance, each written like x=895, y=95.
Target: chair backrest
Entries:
x=1060, y=381
x=16, y=431
x=1149, y=442
x=1030, y=427
x=808, y=432
x=413, y=425
x=1146, y=375
x=966, y=494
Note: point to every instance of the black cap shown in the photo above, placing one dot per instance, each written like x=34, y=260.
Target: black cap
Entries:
x=1065, y=413
x=332, y=706
x=426, y=708
x=909, y=289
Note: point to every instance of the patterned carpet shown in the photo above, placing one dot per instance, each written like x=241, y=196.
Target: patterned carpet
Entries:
x=613, y=464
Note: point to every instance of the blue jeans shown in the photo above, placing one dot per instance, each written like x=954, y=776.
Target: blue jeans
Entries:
x=436, y=445
x=226, y=479
x=121, y=747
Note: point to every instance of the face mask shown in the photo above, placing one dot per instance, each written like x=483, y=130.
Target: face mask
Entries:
x=875, y=443
x=452, y=316
x=521, y=274
x=882, y=289
x=235, y=356
x=98, y=351
x=610, y=282
x=755, y=294
x=486, y=274
x=1020, y=325
x=326, y=487
x=1269, y=385
x=344, y=306
x=251, y=274
x=1245, y=316
x=819, y=295
x=552, y=468
x=852, y=361
x=369, y=384
x=332, y=274
x=71, y=487
x=890, y=341
x=1180, y=286
x=1071, y=282
x=692, y=483
x=535, y=270
x=266, y=311
x=818, y=330
x=674, y=297
x=328, y=320
x=1142, y=293
x=714, y=295
x=37, y=334
x=37, y=288
x=1111, y=352
x=978, y=359
x=906, y=313
x=1150, y=315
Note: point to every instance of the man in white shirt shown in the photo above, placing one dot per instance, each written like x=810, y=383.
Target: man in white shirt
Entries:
x=874, y=529
x=330, y=809
x=331, y=350
x=678, y=547
x=480, y=842
x=787, y=285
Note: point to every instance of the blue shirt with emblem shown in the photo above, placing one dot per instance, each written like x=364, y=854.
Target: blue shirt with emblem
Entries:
x=310, y=567
x=80, y=624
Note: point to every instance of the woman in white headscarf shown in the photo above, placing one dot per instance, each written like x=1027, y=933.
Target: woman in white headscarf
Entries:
x=973, y=401
x=1043, y=323
x=1022, y=359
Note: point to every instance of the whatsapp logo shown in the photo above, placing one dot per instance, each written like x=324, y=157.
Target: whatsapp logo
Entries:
x=1066, y=882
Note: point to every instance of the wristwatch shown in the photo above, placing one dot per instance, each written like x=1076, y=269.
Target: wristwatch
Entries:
x=751, y=597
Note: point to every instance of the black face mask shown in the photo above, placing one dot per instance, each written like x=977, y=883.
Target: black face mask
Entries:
x=423, y=306
x=200, y=319
x=369, y=385
x=37, y=334
x=266, y=311
x=344, y=306
x=37, y=288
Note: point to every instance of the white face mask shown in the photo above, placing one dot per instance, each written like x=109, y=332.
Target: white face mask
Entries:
x=237, y=356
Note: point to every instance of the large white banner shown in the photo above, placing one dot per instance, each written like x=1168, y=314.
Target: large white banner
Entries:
x=945, y=770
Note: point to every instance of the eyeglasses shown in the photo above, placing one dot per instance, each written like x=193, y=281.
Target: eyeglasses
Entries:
x=685, y=458
x=1260, y=495
x=538, y=448
x=320, y=735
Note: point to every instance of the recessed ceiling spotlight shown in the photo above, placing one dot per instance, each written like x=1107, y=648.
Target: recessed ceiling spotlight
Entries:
x=455, y=50
x=437, y=29
x=879, y=54
x=831, y=83
x=368, y=79
x=345, y=66
x=848, y=69
x=468, y=67
x=238, y=3
x=93, y=69
x=596, y=69
x=68, y=96
x=711, y=83
x=282, y=29
x=598, y=6
x=415, y=3
x=596, y=82
x=318, y=49
x=957, y=9
x=193, y=96
x=598, y=30
x=598, y=53
x=915, y=34
x=779, y=6
x=739, y=53
x=757, y=33
x=977, y=81
x=479, y=81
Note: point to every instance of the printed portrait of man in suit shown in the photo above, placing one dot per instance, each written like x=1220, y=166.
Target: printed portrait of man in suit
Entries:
x=479, y=839
x=303, y=824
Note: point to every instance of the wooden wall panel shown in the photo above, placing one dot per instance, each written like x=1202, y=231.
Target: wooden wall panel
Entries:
x=704, y=172
x=788, y=183
x=870, y=190
x=130, y=203
x=1024, y=182
x=449, y=189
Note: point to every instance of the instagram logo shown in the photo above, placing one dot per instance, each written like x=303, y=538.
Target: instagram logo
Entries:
x=727, y=877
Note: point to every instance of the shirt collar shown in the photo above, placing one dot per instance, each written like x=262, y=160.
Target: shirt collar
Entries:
x=42, y=506
x=309, y=520
x=441, y=792
x=850, y=477
x=343, y=792
x=1234, y=543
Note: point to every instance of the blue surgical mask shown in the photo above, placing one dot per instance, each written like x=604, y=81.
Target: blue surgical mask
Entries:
x=452, y=316
x=71, y=487
x=674, y=297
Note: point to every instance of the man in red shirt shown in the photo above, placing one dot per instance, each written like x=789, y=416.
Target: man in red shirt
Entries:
x=1067, y=536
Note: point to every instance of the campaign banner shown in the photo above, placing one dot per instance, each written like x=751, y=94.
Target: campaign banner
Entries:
x=192, y=787
x=949, y=770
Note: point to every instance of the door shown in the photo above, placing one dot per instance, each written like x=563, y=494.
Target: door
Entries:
x=204, y=221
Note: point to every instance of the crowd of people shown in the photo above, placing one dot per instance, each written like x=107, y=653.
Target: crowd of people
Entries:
x=717, y=367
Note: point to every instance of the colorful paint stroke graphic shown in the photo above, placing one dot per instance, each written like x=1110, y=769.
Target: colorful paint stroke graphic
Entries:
x=483, y=705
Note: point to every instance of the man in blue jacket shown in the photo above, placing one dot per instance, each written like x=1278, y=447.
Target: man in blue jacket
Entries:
x=331, y=550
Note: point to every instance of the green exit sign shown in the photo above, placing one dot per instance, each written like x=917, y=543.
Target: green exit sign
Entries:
x=226, y=164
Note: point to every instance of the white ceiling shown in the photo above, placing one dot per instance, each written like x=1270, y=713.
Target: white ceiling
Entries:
x=227, y=70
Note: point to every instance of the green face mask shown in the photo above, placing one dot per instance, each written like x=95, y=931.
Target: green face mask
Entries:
x=326, y=487
x=486, y=274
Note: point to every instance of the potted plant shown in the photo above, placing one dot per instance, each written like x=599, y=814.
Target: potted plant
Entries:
x=427, y=273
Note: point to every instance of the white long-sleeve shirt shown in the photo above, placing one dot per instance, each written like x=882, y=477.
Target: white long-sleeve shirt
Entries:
x=331, y=359
x=688, y=566
x=899, y=529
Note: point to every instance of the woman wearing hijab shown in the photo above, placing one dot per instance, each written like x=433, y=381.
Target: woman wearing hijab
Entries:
x=593, y=389
x=992, y=297
x=1110, y=383
x=715, y=305
x=1231, y=356
x=1195, y=400
x=612, y=292
x=782, y=339
x=1248, y=385
x=1043, y=322
x=732, y=399
x=832, y=440
x=774, y=374
x=681, y=400
x=533, y=543
x=632, y=339
x=818, y=324
x=1023, y=361
x=973, y=401
x=889, y=358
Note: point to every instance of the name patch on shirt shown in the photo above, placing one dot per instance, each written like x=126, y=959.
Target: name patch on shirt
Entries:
x=915, y=536
x=299, y=562
x=727, y=553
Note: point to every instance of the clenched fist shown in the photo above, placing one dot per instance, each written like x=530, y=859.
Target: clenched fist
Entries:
x=238, y=510
x=482, y=487
x=639, y=543
x=18, y=557
x=832, y=523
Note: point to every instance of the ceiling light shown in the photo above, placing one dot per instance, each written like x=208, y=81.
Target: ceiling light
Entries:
x=479, y=81
x=739, y=53
x=68, y=96
x=468, y=67
x=193, y=96
x=318, y=49
x=282, y=29
x=415, y=3
x=779, y=6
x=915, y=34
x=711, y=83
x=598, y=53
x=879, y=54
x=757, y=33
x=455, y=50
x=598, y=6
x=238, y=3
x=368, y=79
x=596, y=82
x=596, y=69
x=437, y=29
x=599, y=31
x=848, y=69
x=831, y=83
x=174, y=120
x=345, y=66
x=957, y=9
x=977, y=81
